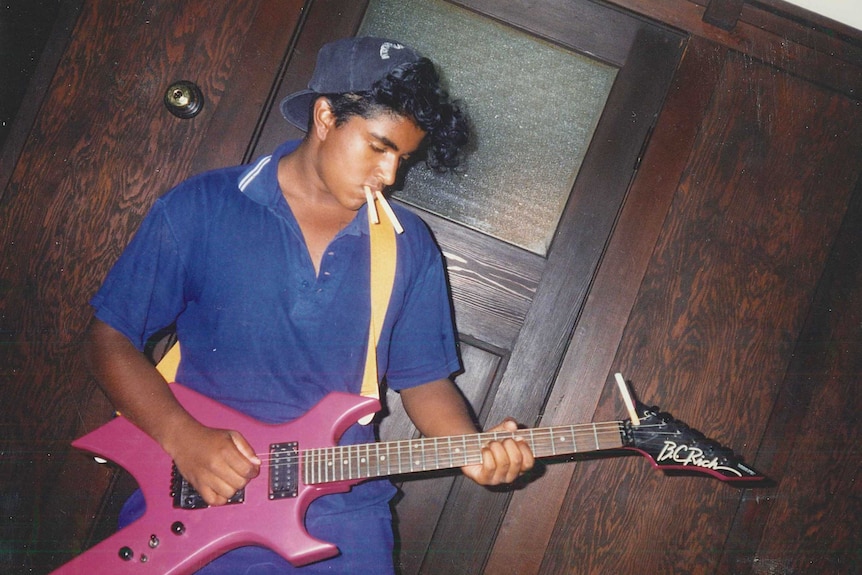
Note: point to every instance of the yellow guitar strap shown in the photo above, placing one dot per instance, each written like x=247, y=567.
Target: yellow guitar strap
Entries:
x=169, y=363
x=384, y=255
x=383, y=258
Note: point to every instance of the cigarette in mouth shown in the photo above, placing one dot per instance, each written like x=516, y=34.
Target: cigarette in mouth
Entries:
x=389, y=213
x=372, y=209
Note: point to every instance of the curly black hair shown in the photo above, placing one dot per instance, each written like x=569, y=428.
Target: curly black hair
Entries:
x=413, y=90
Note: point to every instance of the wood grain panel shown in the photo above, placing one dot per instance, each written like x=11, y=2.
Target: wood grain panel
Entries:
x=773, y=40
x=324, y=21
x=810, y=521
x=721, y=305
x=582, y=25
x=493, y=284
x=103, y=148
x=529, y=522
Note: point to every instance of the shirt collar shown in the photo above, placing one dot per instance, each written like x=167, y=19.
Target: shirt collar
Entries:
x=259, y=182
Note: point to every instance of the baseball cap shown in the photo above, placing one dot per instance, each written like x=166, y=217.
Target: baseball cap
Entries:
x=346, y=66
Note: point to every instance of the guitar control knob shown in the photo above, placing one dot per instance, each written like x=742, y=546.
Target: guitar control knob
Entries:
x=154, y=541
x=178, y=528
x=126, y=553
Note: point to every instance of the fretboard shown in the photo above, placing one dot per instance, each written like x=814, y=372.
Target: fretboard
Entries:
x=364, y=461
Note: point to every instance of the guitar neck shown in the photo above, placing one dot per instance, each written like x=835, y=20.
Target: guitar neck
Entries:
x=368, y=460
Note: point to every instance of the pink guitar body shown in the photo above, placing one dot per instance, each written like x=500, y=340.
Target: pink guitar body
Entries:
x=171, y=540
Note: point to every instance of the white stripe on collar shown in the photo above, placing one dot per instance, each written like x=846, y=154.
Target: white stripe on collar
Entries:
x=253, y=172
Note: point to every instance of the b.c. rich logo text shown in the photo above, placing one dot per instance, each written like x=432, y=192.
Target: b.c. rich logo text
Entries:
x=690, y=456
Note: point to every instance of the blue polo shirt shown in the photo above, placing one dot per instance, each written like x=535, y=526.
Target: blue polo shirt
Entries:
x=222, y=256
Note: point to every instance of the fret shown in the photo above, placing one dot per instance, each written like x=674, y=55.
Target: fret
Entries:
x=420, y=459
x=377, y=457
x=596, y=435
x=451, y=454
x=324, y=459
x=410, y=454
x=464, y=442
x=338, y=463
x=436, y=455
x=365, y=460
x=532, y=441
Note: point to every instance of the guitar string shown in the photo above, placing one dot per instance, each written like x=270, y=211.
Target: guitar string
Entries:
x=400, y=448
x=525, y=434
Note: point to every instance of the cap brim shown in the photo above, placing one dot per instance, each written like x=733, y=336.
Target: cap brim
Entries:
x=296, y=106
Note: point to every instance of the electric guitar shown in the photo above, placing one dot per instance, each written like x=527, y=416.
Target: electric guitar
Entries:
x=179, y=533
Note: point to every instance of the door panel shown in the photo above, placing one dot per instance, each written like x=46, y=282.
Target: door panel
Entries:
x=517, y=310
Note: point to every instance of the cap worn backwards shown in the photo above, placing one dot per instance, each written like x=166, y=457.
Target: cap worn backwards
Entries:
x=345, y=66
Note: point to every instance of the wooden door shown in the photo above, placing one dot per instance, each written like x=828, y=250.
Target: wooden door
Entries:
x=515, y=310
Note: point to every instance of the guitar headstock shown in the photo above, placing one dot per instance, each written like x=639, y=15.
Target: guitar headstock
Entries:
x=672, y=445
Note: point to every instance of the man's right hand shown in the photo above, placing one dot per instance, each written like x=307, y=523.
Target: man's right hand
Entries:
x=217, y=462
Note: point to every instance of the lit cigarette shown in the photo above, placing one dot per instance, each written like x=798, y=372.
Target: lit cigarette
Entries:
x=389, y=213
x=372, y=209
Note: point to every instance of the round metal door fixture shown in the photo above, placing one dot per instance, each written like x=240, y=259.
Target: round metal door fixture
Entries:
x=184, y=99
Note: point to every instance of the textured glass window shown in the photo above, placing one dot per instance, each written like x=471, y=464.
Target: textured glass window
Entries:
x=534, y=107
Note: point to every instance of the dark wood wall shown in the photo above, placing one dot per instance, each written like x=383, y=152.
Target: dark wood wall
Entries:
x=730, y=291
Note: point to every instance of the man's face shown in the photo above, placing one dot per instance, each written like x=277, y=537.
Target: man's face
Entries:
x=366, y=152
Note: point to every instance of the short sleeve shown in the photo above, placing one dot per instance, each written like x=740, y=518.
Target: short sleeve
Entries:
x=423, y=344
x=144, y=291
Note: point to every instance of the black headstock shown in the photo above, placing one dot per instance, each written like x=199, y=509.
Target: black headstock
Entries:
x=672, y=445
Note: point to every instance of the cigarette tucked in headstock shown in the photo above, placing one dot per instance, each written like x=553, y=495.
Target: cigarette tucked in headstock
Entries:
x=672, y=445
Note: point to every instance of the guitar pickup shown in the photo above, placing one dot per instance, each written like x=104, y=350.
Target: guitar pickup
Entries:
x=283, y=470
x=187, y=497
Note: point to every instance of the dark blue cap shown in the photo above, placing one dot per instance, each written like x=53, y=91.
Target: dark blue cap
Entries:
x=346, y=66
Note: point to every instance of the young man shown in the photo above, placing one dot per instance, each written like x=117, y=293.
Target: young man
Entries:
x=264, y=271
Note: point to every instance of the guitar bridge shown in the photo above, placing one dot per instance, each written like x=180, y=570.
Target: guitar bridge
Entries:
x=283, y=470
x=187, y=497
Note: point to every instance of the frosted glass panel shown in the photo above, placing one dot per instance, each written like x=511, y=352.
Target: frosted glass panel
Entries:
x=534, y=107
